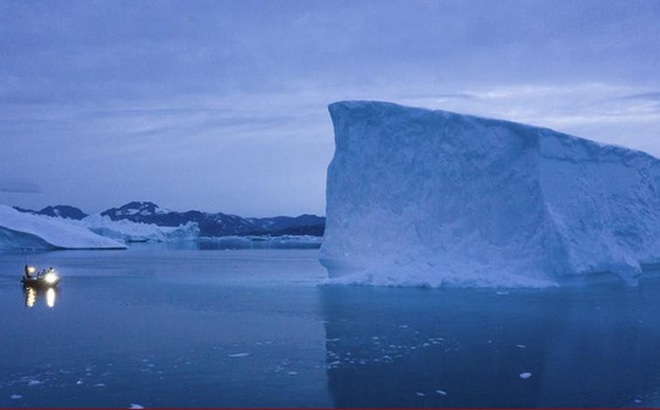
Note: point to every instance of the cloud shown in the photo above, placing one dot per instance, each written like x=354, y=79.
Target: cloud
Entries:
x=650, y=96
x=227, y=100
x=17, y=186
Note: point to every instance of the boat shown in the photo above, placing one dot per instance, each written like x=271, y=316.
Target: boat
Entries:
x=42, y=280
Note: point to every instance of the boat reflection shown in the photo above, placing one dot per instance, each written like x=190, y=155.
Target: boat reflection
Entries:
x=34, y=294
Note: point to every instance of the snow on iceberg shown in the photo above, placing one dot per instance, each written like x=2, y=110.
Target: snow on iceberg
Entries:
x=127, y=231
x=433, y=198
x=21, y=230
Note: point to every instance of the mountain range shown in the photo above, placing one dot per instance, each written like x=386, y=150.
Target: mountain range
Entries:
x=210, y=224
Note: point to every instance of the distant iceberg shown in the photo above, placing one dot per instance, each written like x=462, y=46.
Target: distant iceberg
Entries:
x=261, y=242
x=433, y=198
x=127, y=231
x=21, y=230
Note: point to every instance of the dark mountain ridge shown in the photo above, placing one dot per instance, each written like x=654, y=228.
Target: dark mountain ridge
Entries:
x=210, y=224
x=60, y=211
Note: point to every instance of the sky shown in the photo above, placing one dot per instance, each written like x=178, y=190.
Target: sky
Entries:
x=221, y=106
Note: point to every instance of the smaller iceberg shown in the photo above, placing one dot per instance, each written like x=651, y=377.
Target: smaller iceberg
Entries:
x=21, y=230
x=128, y=231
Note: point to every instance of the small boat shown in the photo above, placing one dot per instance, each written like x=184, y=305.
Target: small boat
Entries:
x=46, y=279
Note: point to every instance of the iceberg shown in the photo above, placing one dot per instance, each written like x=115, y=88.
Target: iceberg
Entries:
x=434, y=198
x=127, y=231
x=20, y=230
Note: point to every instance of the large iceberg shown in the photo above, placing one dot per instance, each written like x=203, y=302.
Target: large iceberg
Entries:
x=20, y=230
x=435, y=198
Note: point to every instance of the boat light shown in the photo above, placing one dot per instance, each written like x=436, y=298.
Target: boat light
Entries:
x=50, y=278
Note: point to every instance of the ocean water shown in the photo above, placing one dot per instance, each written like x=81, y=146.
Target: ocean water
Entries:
x=160, y=327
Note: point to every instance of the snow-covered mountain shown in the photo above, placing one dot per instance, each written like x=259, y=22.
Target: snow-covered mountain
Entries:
x=285, y=225
x=218, y=224
x=209, y=224
x=435, y=198
x=60, y=211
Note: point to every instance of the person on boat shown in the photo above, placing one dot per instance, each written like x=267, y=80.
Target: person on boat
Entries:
x=27, y=272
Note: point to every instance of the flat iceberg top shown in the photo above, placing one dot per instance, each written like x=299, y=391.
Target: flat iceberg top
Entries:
x=424, y=197
x=19, y=229
x=391, y=113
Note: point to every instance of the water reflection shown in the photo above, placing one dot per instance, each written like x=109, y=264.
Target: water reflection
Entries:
x=34, y=294
x=392, y=347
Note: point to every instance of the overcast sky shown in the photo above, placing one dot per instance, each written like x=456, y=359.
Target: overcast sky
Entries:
x=222, y=105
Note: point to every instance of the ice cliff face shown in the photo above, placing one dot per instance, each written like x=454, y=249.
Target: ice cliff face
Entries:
x=435, y=198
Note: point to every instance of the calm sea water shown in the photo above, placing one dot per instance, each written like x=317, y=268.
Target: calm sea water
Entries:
x=159, y=327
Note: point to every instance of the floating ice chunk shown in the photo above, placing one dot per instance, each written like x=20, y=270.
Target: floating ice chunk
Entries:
x=135, y=406
x=292, y=373
x=420, y=394
x=238, y=355
x=521, y=346
x=15, y=397
x=525, y=375
x=441, y=392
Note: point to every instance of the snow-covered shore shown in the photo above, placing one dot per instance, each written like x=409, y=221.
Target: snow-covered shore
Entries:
x=21, y=230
